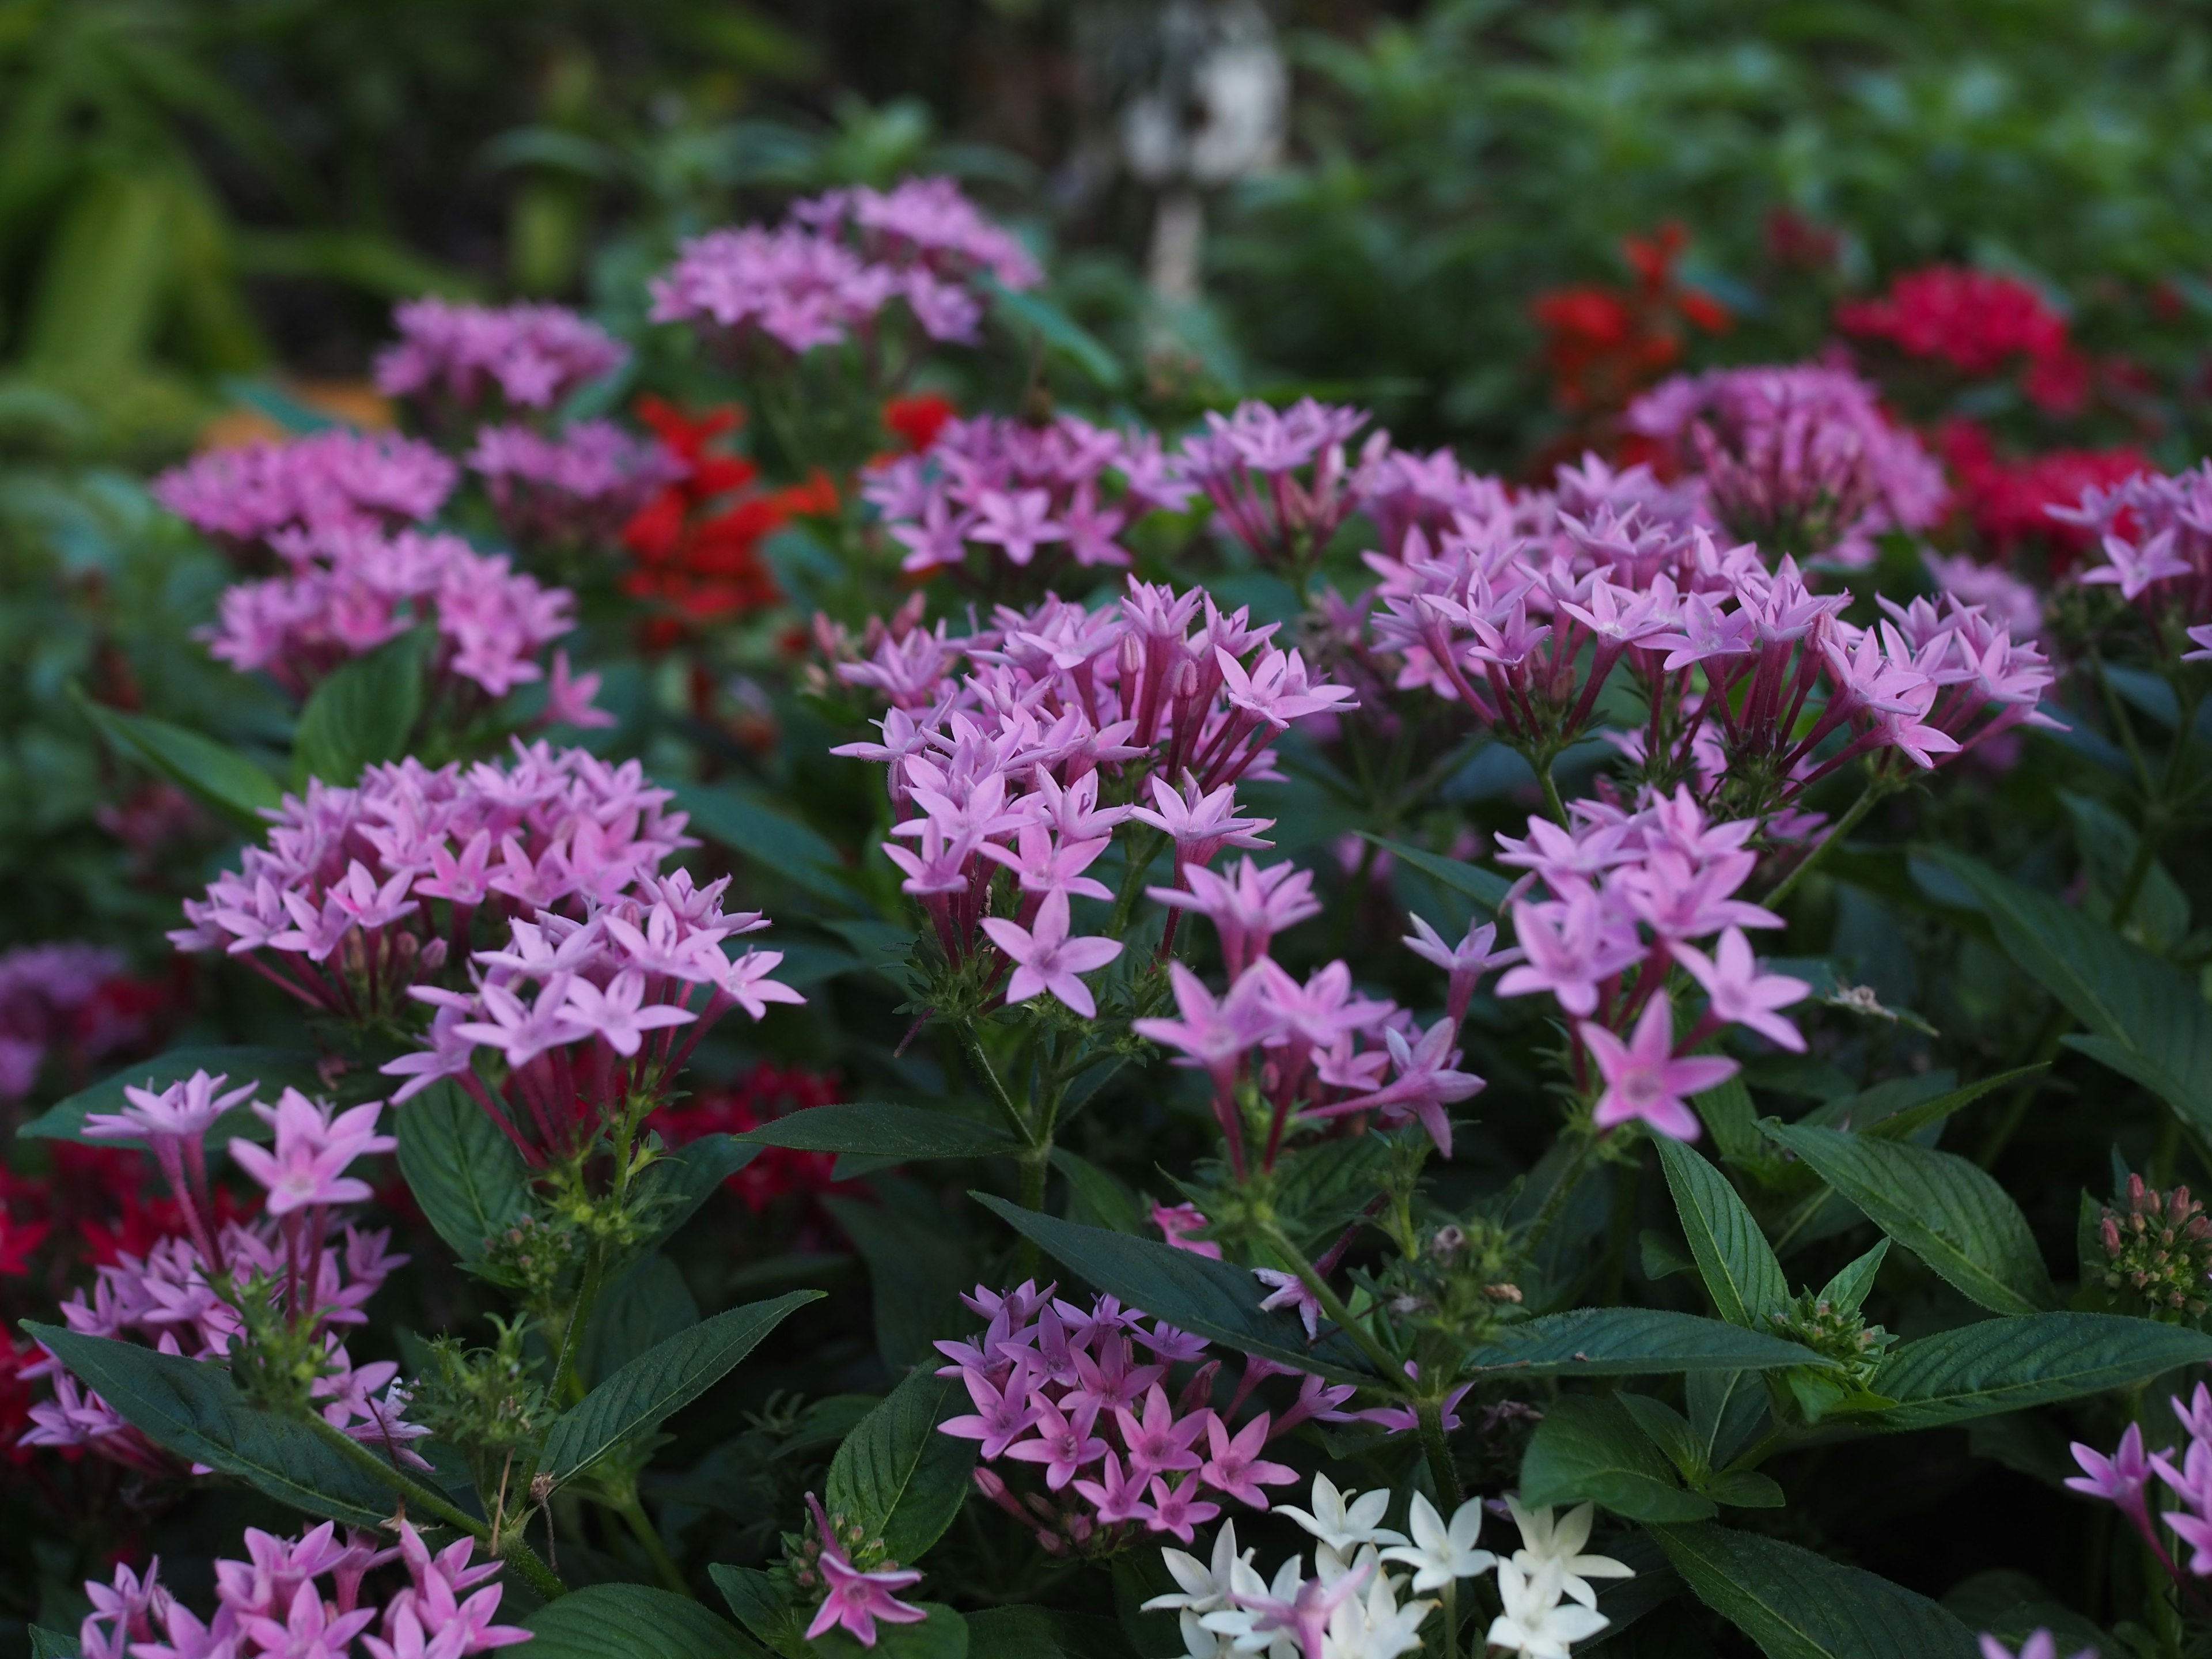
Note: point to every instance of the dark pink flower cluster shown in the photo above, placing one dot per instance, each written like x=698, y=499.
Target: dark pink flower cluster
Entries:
x=53, y=996
x=1005, y=489
x=1083, y=1395
x=1002, y=768
x=1625, y=895
x=273, y=1603
x=829, y=271
x=531, y=356
x=336, y=480
x=360, y=893
x=1280, y=479
x=350, y=589
x=1798, y=458
x=578, y=489
x=190, y=1293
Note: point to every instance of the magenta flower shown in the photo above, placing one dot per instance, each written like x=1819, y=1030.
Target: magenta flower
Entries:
x=184, y=1111
x=1001, y=1416
x=1466, y=961
x=1742, y=996
x=1177, y=1222
x=1064, y=1443
x=619, y=1015
x=312, y=1150
x=1160, y=1441
x=1119, y=1496
x=2133, y=568
x=2041, y=1644
x=1287, y=1290
x=1019, y=521
x=1247, y=910
x=1180, y=1510
x=1202, y=823
x=2120, y=1480
x=1237, y=1468
x=1644, y=1081
x=1568, y=948
x=1047, y=960
x=858, y=1600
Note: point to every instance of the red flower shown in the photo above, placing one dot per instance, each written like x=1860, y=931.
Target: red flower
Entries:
x=15, y=1398
x=1603, y=345
x=1976, y=320
x=697, y=550
x=19, y=1236
x=918, y=419
x=2005, y=499
x=761, y=1096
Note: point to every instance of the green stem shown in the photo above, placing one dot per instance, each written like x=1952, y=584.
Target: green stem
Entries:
x=568, y=1380
x=648, y=1535
x=1444, y=1472
x=414, y=1494
x=1331, y=1304
x=1850, y=821
x=972, y=1039
x=1141, y=855
x=1451, y=1616
x=1553, y=804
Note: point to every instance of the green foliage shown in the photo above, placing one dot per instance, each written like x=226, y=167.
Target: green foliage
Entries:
x=896, y=1474
x=621, y=1619
x=1798, y=1605
x=468, y=1177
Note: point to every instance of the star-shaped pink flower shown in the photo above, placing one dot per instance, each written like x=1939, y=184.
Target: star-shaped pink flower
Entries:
x=1643, y=1080
x=1046, y=960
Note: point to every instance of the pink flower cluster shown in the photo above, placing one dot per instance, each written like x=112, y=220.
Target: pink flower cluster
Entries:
x=2154, y=533
x=1064, y=1388
x=361, y=892
x=350, y=589
x=1627, y=895
x=831, y=270
x=1799, y=459
x=583, y=1013
x=51, y=996
x=576, y=490
x=1279, y=479
x=1010, y=490
x=189, y=1294
x=337, y=480
x=2123, y=1479
x=534, y=356
x=273, y=1603
x=1002, y=769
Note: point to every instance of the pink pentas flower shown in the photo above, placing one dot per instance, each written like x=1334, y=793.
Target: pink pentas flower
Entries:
x=1047, y=960
x=857, y=1601
x=314, y=1146
x=1236, y=1468
x=1201, y=823
x=186, y=1109
x=1287, y=1290
x=1465, y=962
x=1177, y=1222
x=1064, y=1444
x=531, y=355
x=1643, y=1080
x=1739, y=994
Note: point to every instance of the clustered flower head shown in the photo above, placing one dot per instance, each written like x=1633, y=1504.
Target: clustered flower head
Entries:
x=350, y=589
x=337, y=480
x=1978, y=323
x=1008, y=490
x=2123, y=1480
x=274, y=1602
x=2159, y=1251
x=2154, y=542
x=1281, y=480
x=1005, y=768
x=216, y=1289
x=64, y=996
x=859, y=1582
x=360, y=893
x=1727, y=655
x=1798, y=458
x=577, y=489
x=458, y=355
x=1083, y=1395
x=828, y=271
x=1627, y=894
x=1349, y=1609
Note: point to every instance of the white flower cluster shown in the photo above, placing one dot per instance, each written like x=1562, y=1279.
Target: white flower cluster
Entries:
x=1350, y=1608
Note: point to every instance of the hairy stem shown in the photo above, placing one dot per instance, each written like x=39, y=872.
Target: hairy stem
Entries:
x=649, y=1536
x=1331, y=1304
x=1442, y=1470
x=1850, y=821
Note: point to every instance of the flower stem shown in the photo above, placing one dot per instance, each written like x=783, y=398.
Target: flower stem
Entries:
x=1451, y=1618
x=1442, y=1470
x=1850, y=821
x=1333, y=1305
x=1553, y=804
x=648, y=1535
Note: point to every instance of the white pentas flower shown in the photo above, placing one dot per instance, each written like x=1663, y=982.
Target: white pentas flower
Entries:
x=1535, y=1624
x=1439, y=1553
x=1346, y=1519
x=1374, y=1627
x=1555, y=1548
x=1202, y=1589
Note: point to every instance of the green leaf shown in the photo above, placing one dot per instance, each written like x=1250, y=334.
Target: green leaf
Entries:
x=53, y=1644
x=196, y=1410
x=275, y=1069
x=645, y=1304
x=1588, y=1448
x=1029, y=1633
x=2006, y=1365
x=1797, y=1605
x=1848, y=1289
x=680, y=1182
x=1060, y=333
x=1744, y=1489
x=1908, y=1121
x=362, y=714
x=658, y=1382
x=1726, y=1408
x=1097, y=1197
x=1732, y=1254
x=222, y=777
x=1727, y=1112
x=942, y=1635
x=464, y=1171
x=2148, y=1019
x=1486, y=887
x=2013, y=1607
x=901, y=1133
x=761, y=1605
x=1668, y=1430
x=2108, y=843
x=784, y=847
x=1946, y=1211
x=1209, y=1298
x=916, y=1272
x=1633, y=1342
x=633, y=1621
x=896, y=1474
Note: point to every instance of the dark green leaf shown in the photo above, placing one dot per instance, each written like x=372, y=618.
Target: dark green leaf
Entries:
x=1588, y=1448
x=658, y=1382
x=1029, y=1633
x=645, y=1304
x=462, y=1169
x=1060, y=333
x=899, y=1133
x=1727, y=1112
x=1797, y=1605
x=196, y=1410
x=1209, y=1298
x=784, y=849
x=1848, y=1289
x=2108, y=843
x=1097, y=1197
x=2012, y=1607
x=1949, y=1212
x=1744, y=1489
x=686, y=1178
x=362, y=714
x=1633, y=1342
x=53, y=1644
x=1732, y=1254
x=222, y=777
x=1668, y=1430
x=915, y=1274
x=1486, y=887
x=2148, y=1019
x=275, y=1069
x=2004, y=1364
x=896, y=1475
x=1726, y=1408
x=633, y=1621
x=1909, y=1121
x=761, y=1605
